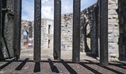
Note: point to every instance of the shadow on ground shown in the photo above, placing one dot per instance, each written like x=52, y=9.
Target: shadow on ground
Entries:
x=63, y=66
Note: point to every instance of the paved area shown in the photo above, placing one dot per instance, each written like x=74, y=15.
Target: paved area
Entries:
x=48, y=53
x=87, y=65
x=26, y=66
x=28, y=52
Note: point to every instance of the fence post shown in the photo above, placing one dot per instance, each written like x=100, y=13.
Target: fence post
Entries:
x=76, y=31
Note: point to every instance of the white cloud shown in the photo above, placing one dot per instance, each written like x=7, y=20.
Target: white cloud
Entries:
x=48, y=8
x=27, y=9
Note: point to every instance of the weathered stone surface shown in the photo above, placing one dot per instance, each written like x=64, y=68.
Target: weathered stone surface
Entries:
x=47, y=28
x=8, y=30
x=113, y=28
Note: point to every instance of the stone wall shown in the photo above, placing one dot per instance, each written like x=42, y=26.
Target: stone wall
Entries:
x=7, y=28
x=66, y=28
x=47, y=34
x=66, y=31
x=26, y=25
x=88, y=20
x=113, y=28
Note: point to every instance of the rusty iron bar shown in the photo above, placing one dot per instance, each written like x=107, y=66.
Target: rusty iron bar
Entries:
x=37, y=30
x=17, y=27
x=104, y=32
x=76, y=31
x=57, y=30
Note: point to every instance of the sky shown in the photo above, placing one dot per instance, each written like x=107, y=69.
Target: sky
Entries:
x=48, y=8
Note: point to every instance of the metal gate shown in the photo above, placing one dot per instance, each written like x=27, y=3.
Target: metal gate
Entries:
x=57, y=30
x=103, y=20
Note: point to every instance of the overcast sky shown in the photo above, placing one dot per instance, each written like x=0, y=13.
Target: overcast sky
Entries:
x=48, y=8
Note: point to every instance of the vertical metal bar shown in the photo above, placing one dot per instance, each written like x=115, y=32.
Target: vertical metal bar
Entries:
x=120, y=31
x=96, y=28
x=0, y=23
x=94, y=40
x=93, y=33
x=1, y=56
x=57, y=30
x=37, y=30
x=76, y=31
x=30, y=30
x=17, y=27
x=104, y=32
x=85, y=38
